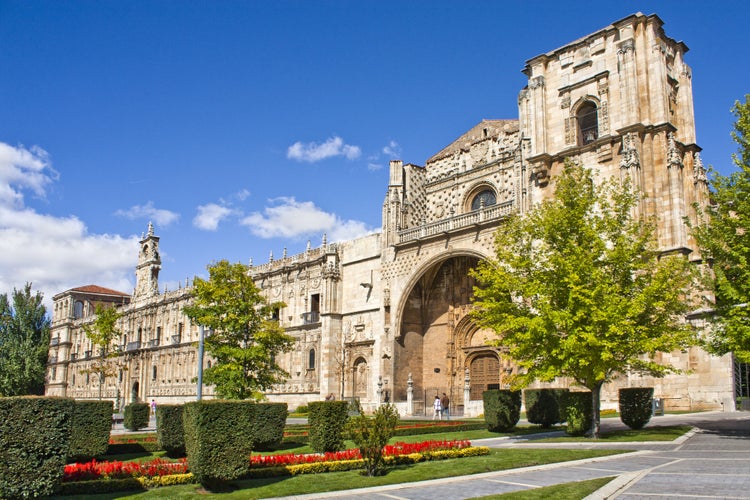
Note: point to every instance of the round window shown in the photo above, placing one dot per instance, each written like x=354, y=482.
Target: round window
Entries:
x=483, y=199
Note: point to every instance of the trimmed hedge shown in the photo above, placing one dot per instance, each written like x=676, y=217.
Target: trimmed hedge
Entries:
x=92, y=421
x=545, y=407
x=327, y=420
x=636, y=406
x=170, y=434
x=502, y=409
x=34, y=443
x=270, y=420
x=579, y=413
x=136, y=416
x=219, y=439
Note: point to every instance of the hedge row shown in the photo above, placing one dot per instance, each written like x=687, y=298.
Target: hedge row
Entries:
x=636, y=406
x=136, y=416
x=34, y=444
x=502, y=409
x=327, y=420
x=92, y=421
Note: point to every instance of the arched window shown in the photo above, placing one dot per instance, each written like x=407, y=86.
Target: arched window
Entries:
x=311, y=360
x=153, y=373
x=484, y=198
x=78, y=309
x=588, y=123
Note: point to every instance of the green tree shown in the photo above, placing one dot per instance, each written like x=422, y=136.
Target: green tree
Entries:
x=371, y=435
x=102, y=331
x=724, y=239
x=244, y=338
x=24, y=343
x=578, y=289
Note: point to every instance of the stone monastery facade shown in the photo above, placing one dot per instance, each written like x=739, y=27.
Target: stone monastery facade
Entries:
x=386, y=317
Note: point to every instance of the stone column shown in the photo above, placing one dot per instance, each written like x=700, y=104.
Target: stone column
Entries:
x=380, y=390
x=467, y=390
x=410, y=396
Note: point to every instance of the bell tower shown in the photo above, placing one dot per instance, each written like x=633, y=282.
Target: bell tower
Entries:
x=149, y=265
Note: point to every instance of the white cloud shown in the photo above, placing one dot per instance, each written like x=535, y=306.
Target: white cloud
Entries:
x=22, y=168
x=210, y=215
x=53, y=253
x=160, y=216
x=393, y=150
x=313, y=152
x=290, y=218
x=374, y=166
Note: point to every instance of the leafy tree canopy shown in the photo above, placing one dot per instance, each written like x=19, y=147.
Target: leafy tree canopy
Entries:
x=244, y=340
x=102, y=331
x=578, y=289
x=24, y=343
x=724, y=238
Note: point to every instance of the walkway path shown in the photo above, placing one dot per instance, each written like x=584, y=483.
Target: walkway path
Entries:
x=711, y=462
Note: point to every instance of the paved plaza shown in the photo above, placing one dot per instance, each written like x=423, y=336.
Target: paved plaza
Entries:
x=711, y=462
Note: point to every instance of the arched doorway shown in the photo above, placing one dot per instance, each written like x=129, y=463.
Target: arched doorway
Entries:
x=134, y=393
x=484, y=370
x=426, y=345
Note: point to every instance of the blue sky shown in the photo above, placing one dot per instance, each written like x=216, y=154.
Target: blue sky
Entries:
x=241, y=128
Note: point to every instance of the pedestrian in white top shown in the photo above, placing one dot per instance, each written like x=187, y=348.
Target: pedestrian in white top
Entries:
x=438, y=407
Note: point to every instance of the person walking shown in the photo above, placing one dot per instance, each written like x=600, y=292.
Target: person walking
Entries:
x=444, y=404
x=438, y=409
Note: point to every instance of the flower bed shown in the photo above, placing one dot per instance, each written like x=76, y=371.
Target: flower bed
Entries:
x=121, y=470
x=395, y=449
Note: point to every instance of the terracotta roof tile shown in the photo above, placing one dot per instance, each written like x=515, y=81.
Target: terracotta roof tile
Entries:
x=99, y=289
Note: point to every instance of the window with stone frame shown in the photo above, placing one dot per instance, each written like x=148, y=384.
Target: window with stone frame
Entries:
x=588, y=123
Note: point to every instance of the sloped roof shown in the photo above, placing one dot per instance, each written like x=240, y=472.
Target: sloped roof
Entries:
x=481, y=131
x=98, y=289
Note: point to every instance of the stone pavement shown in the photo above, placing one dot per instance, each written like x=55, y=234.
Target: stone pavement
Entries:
x=711, y=462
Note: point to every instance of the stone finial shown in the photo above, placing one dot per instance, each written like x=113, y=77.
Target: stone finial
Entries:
x=250, y=262
x=308, y=246
x=150, y=228
x=699, y=171
x=270, y=256
x=283, y=255
x=325, y=241
x=674, y=158
x=630, y=157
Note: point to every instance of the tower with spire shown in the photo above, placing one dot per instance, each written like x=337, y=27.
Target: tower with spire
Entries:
x=149, y=265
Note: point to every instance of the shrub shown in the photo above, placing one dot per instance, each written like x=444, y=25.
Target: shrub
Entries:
x=270, y=420
x=218, y=440
x=327, y=420
x=170, y=433
x=545, y=406
x=502, y=409
x=579, y=413
x=370, y=435
x=34, y=443
x=636, y=406
x=302, y=409
x=92, y=421
x=136, y=416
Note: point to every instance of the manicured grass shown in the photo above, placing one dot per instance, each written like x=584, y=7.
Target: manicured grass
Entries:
x=658, y=433
x=334, y=481
x=566, y=491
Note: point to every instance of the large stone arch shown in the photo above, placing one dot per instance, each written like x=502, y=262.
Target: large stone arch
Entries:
x=437, y=298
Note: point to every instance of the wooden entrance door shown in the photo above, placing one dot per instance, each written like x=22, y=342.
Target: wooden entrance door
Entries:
x=485, y=374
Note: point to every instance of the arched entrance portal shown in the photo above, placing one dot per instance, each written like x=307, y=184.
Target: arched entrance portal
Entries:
x=134, y=393
x=437, y=338
x=359, y=379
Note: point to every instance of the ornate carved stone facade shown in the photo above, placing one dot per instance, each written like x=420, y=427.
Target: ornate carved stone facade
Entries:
x=386, y=316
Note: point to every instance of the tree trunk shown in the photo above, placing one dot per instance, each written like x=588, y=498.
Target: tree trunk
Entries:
x=595, y=414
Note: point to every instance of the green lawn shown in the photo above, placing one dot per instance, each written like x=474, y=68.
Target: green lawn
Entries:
x=659, y=433
x=566, y=491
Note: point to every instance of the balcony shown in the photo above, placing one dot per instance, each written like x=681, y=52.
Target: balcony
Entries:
x=52, y=360
x=176, y=339
x=309, y=318
x=54, y=341
x=152, y=343
x=73, y=356
x=443, y=226
x=133, y=346
x=86, y=354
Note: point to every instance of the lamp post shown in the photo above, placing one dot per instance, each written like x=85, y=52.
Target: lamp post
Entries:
x=200, y=362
